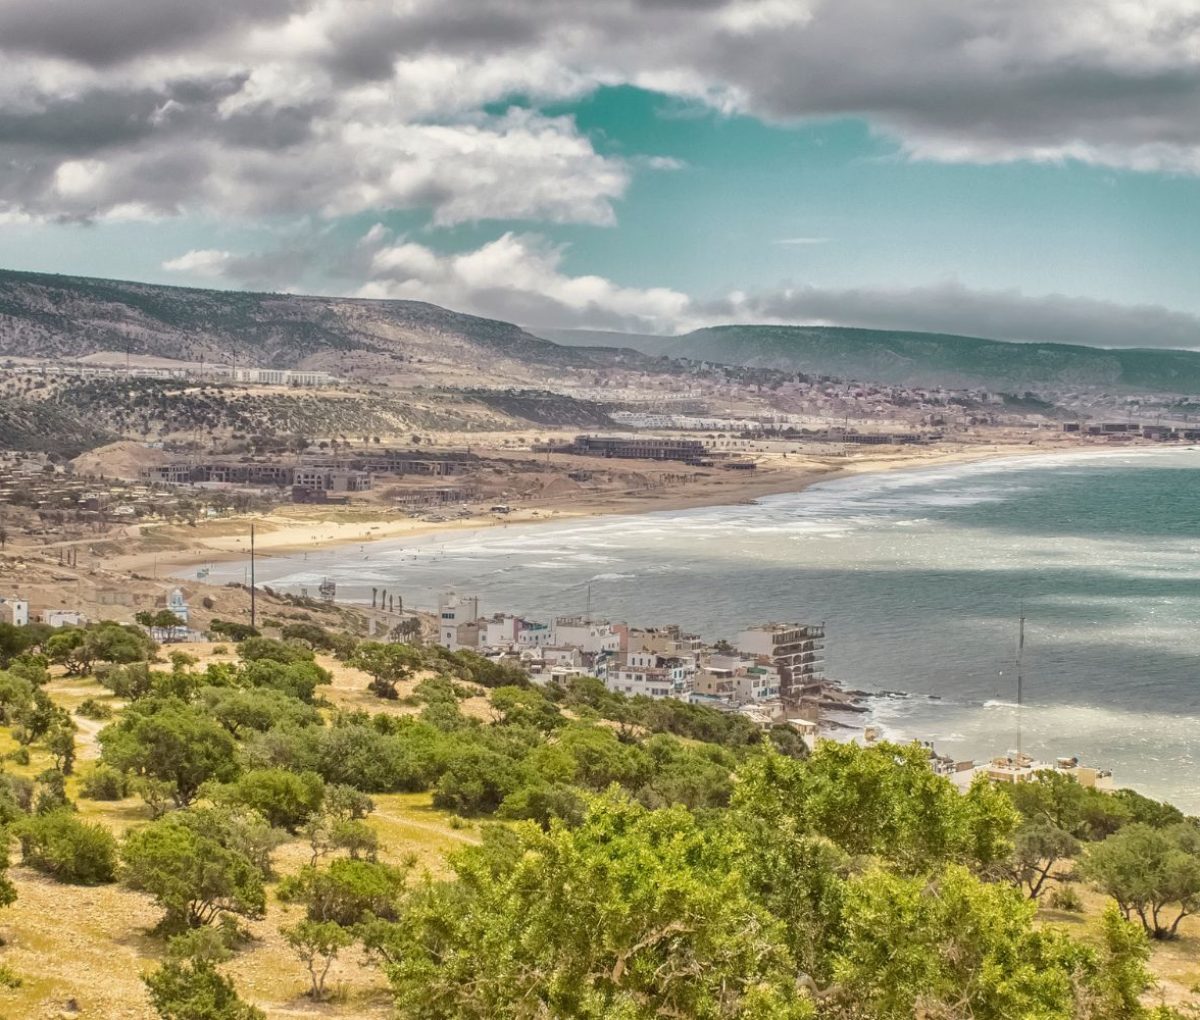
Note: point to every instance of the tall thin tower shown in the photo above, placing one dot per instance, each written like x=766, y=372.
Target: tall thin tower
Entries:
x=1020, y=674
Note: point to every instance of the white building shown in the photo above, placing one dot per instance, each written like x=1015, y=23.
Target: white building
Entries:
x=14, y=610
x=652, y=675
x=454, y=610
x=591, y=637
x=535, y=635
x=500, y=631
x=63, y=618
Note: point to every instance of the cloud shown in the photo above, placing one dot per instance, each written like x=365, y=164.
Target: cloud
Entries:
x=802, y=240
x=107, y=32
x=516, y=277
x=261, y=107
x=951, y=307
x=520, y=278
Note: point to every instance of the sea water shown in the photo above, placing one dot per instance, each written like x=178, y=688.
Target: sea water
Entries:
x=920, y=578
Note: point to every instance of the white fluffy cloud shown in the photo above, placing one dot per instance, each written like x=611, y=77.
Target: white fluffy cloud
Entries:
x=518, y=278
x=257, y=107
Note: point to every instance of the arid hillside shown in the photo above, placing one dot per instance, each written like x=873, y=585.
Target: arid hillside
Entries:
x=45, y=316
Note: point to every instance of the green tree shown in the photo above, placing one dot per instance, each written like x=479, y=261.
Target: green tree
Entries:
x=347, y=892
x=1036, y=849
x=1151, y=873
x=188, y=985
x=192, y=877
x=882, y=800
x=60, y=742
x=524, y=706
x=317, y=944
x=171, y=742
x=256, y=709
x=949, y=945
x=634, y=914
x=387, y=665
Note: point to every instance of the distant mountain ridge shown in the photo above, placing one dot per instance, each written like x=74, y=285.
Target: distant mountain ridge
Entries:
x=50, y=316
x=923, y=359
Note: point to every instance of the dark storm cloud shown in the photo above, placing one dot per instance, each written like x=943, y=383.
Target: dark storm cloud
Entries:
x=104, y=118
x=106, y=32
x=367, y=47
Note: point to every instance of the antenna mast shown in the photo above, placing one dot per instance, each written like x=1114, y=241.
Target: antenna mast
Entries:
x=253, y=617
x=1020, y=674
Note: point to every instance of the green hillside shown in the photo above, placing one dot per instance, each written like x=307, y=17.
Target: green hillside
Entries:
x=929, y=359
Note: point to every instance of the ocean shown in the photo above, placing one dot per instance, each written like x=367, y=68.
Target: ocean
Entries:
x=920, y=577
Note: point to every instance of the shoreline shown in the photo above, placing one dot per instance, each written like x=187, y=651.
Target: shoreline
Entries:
x=287, y=534
x=293, y=530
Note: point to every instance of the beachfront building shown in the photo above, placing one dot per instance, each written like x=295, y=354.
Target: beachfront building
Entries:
x=454, y=610
x=592, y=637
x=652, y=675
x=535, y=635
x=795, y=650
x=738, y=679
x=14, y=610
x=1016, y=767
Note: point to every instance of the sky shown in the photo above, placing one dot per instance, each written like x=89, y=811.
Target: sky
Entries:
x=1009, y=168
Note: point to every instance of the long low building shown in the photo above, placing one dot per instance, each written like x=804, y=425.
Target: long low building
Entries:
x=689, y=451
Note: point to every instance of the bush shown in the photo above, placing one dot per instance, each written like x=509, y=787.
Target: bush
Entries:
x=285, y=799
x=346, y=892
x=1065, y=897
x=190, y=874
x=103, y=782
x=93, y=709
x=67, y=849
x=231, y=630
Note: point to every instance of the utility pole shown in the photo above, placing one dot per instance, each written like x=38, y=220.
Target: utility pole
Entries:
x=253, y=617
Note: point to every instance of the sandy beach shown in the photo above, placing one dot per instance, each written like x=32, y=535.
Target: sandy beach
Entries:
x=168, y=549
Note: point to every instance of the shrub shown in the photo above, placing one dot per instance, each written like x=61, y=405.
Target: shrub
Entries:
x=93, y=709
x=103, y=782
x=284, y=799
x=192, y=876
x=1065, y=897
x=67, y=849
x=347, y=891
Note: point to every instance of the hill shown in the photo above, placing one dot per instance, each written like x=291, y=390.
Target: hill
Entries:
x=924, y=359
x=47, y=316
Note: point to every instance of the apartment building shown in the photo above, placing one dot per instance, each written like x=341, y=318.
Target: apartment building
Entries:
x=454, y=610
x=795, y=650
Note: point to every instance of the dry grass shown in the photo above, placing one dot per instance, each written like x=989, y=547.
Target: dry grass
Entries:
x=1175, y=964
x=91, y=946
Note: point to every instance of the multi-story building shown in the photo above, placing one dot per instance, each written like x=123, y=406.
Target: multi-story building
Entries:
x=592, y=637
x=690, y=451
x=795, y=650
x=454, y=610
x=14, y=610
x=652, y=675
